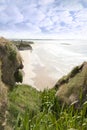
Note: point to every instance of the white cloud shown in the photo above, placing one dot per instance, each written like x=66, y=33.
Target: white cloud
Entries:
x=46, y=22
x=43, y=16
x=70, y=5
x=82, y=15
x=32, y=28
x=45, y=2
x=2, y=8
x=3, y=18
x=65, y=16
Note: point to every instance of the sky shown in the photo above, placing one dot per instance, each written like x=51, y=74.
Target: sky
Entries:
x=43, y=19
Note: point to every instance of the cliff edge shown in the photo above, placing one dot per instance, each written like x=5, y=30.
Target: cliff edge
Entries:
x=11, y=61
x=10, y=66
x=73, y=87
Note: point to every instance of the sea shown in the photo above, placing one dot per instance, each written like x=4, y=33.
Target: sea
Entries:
x=49, y=60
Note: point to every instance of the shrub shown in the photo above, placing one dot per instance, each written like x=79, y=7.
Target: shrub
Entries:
x=12, y=55
x=18, y=76
x=74, y=71
x=11, y=51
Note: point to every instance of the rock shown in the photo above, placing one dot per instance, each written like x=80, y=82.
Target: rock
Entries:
x=23, y=45
x=73, y=87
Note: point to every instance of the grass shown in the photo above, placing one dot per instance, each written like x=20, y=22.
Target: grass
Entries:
x=21, y=98
x=70, y=88
x=3, y=101
x=42, y=111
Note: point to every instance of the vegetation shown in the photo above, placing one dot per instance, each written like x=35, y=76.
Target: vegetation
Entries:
x=33, y=110
x=18, y=76
x=22, y=97
x=11, y=62
x=74, y=71
x=10, y=50
x=70, y=87
x=12, y=55
x=28, y=109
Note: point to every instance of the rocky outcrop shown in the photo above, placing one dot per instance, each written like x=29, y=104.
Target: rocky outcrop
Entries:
x=11, y=61
x=23, y=45
x=3, y=102
x=73, y=87
x=10, y=65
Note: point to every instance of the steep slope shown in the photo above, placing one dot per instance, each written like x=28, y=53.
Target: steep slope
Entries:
x=73, y=87
x=3, y=102
x=10, y=63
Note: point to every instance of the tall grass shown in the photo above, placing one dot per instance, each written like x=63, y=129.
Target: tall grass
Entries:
x=53, y=116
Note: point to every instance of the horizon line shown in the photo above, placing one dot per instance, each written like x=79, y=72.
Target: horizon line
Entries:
x=45, y=39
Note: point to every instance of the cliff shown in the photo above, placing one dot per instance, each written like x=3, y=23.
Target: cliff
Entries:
x=72, y=88
x=21, y=107
x=3, y=101
x=11, y=61
x=10, y=65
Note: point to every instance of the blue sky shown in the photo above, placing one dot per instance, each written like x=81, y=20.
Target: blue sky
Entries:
x=43, y=18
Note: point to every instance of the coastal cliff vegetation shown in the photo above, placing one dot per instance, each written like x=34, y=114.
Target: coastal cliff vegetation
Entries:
x=22, y=107
x=73, y=87
x=10, y=63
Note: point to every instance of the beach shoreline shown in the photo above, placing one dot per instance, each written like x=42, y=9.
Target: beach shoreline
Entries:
x=48, y=62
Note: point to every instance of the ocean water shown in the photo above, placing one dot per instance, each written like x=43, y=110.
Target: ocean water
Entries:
x=51, y=59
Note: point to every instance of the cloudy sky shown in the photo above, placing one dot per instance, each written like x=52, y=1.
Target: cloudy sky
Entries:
x=43, y=18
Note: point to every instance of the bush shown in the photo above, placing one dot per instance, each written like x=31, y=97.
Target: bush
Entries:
x=12, y=55
x=11, y=51
x=18, y=76
x=74, y=71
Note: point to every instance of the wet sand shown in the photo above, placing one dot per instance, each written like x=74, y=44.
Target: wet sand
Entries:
x=43, y=80
x=35, y=75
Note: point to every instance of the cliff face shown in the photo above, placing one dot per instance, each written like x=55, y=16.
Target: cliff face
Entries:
x=73, y=87
x=10, y=63
x=3, y=102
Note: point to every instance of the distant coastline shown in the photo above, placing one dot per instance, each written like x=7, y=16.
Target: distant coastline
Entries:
x=45, y=39
x=65, y=44
x=23, y=45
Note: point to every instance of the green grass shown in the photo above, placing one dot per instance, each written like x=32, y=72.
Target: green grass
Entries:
x=22, y=97
x=70, y=87
x=33, y=110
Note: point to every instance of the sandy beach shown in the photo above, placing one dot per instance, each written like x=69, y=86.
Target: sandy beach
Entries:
x=49, y=62
x=28, y=73
x=35, y=75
